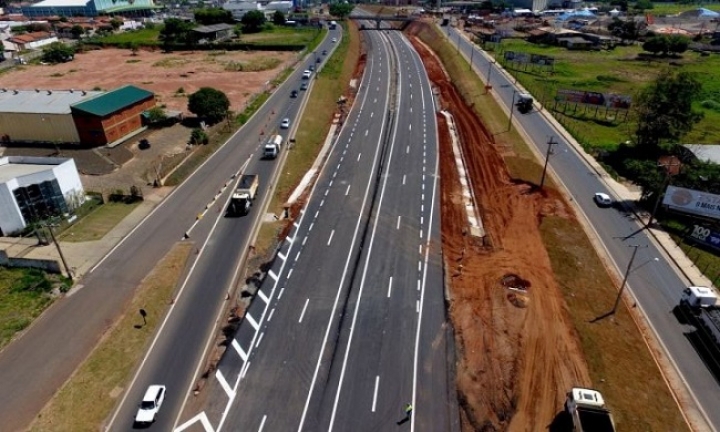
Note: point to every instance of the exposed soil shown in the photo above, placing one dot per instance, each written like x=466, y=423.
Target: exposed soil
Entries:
x=517, y=350
x=161, y=73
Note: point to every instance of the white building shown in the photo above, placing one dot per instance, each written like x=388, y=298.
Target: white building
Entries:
x=36, y=188
x=238, y=8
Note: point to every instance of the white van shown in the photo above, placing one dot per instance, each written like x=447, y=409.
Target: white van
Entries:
x=272, y=147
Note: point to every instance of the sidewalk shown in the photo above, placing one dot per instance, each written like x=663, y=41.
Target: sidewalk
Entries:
x=81, y=257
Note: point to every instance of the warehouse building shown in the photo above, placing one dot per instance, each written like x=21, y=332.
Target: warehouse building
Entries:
x=113, y=116
x=88, y=8
x=39, y=115
x=33, y=189
x=89, y=118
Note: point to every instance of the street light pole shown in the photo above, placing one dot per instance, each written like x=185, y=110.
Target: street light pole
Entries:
x=472, y=53
x=625, y=278
x=512, y=105
x=550, y=145
x=62, y=257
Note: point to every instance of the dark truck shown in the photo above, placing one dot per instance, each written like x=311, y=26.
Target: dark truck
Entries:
x=244, y=194
x=588, y=411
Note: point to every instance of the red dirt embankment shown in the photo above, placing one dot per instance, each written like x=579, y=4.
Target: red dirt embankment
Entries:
x=517, y=350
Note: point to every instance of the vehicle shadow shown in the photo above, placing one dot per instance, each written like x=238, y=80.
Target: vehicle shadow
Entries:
x=561, y=423
x=701, y=340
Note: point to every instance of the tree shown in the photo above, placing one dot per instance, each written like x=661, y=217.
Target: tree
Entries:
x=278, y=18
x=643, y=5
x=341, y=10
x=175, y=31
x=678, y=44
x=675, y=44
x=116, y=23
x=665, y=111
x=656, y=44
x=156, y=115
x=208, y=16
x=252, y=21
x=58, y=52
x=625, y=30
x=198, y=136
x=209, y=104
x=76, y=31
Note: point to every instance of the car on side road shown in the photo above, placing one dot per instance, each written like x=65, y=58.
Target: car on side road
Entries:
x=294, y=94
x=334, y=40
x=312, y=68
x=324, y=52
x=306, y=74
x=285, y=124
x=150, y=404
x=602, y=199
x=304, y=86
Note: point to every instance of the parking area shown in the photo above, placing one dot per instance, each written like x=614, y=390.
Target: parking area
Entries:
x=106, y=170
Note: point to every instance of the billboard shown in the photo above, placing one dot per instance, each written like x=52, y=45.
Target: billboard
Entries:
x=608, y=100
x=705, y=236
x=692, y=201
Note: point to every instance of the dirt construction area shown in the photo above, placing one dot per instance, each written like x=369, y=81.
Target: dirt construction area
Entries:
x=517, y=350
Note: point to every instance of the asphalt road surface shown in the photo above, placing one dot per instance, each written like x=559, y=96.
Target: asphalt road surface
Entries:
x=175, y=356
x=36, y=365
x=348, y=326
x=655, y=285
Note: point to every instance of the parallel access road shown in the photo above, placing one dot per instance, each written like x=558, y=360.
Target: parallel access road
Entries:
x=33, y=367
x=655, y=285
x=336, y=339
x=175, y=356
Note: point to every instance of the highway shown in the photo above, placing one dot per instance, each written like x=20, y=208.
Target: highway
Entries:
x=174, y=359
x=49, y=355
x=656, y=286
x=348, y=326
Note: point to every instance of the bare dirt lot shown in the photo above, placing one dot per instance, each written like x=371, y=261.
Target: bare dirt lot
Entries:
x=517, y=350
x=162, y=73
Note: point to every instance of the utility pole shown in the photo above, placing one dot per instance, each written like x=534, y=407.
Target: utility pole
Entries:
x=550, y=145
x=664, y=186
x=625, y=278
x=490, y=63
x=512, y=105
x=472, y=53
x=62, y=257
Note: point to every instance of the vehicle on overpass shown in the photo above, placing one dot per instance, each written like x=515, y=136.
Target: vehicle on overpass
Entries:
x=588, y=411
x=244, y=194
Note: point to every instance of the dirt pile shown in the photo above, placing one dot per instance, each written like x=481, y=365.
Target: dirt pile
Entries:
x=517, y=350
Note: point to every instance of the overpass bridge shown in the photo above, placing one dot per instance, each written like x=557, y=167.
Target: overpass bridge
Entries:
x=378, y=19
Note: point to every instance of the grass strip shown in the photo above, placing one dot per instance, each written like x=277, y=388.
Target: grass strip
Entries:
x=619, y=365
x=87, y=399
x=98, y=222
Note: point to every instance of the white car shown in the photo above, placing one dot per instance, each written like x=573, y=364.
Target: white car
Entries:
x=306, y=74
x=285, y=124
x=150, y=405
x=334, y=40
x=603, y=199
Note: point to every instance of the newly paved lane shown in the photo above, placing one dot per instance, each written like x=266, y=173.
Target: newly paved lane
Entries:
x=656, y=286
x=395, y=347
x=349, y=323
x=307, y=286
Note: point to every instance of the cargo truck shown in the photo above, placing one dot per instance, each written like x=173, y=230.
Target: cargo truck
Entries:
x=588, y=411
x=705, y=310
x=244, y=194
x=272, y=147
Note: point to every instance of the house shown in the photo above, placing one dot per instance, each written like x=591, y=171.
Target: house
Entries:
x=213, y=33
x=34, y=40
